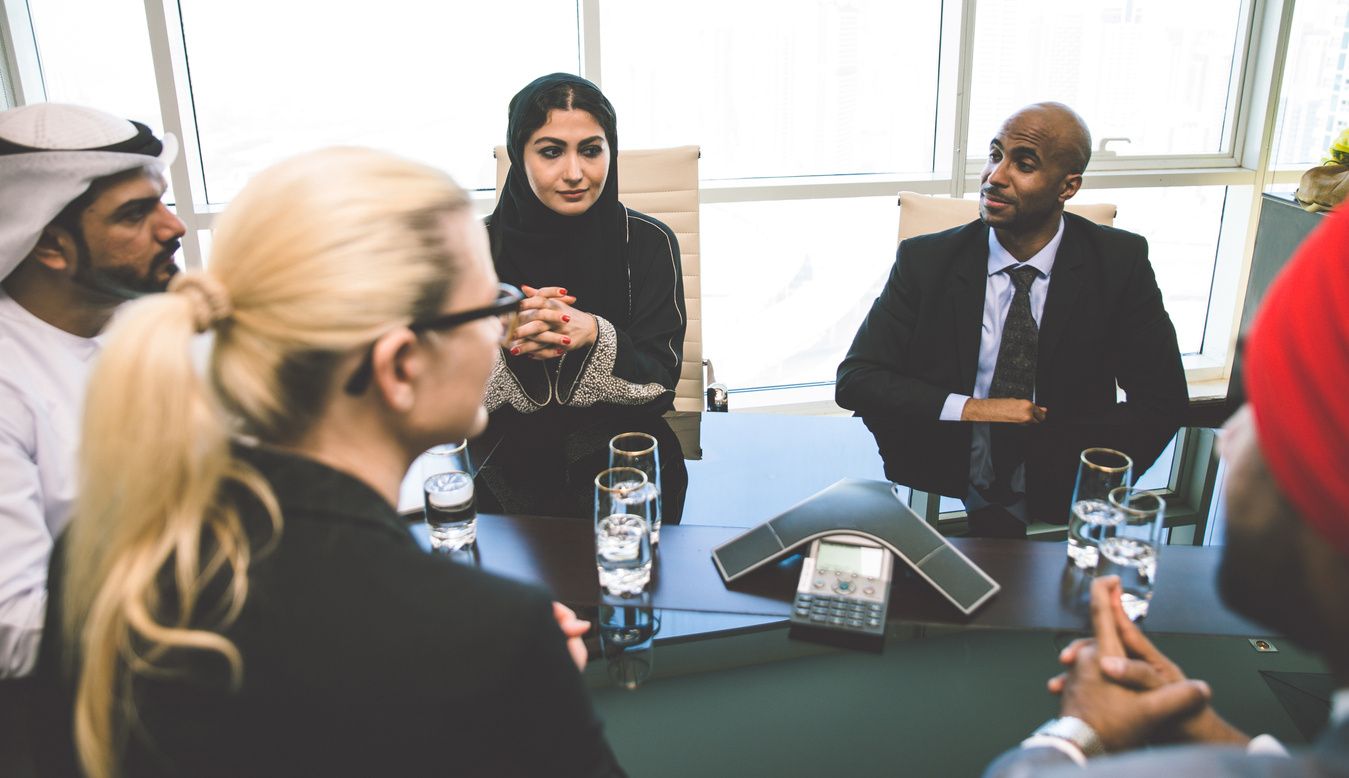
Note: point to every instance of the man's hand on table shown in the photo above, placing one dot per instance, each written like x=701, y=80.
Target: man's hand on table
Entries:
x=1129, y=691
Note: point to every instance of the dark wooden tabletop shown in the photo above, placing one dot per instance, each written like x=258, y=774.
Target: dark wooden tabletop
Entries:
x=1039, y=590
x=746, y=468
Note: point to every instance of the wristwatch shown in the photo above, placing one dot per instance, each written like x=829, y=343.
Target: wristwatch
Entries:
x=1075, y=731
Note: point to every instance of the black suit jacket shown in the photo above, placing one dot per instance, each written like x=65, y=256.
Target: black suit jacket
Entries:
x=1103, y=323
x=362, y=656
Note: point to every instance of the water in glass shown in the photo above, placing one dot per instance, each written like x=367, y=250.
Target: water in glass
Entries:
x=1129, y=547
x=1086, y=526
x=451, y=512
x=623, y=553
x=1135, y=562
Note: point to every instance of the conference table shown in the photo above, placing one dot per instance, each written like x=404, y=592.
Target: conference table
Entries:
x=700, y=677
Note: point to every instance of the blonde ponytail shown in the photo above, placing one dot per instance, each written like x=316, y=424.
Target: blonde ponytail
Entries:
x=318, y=256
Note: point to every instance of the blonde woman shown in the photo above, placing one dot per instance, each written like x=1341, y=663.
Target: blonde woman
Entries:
x=222, y=607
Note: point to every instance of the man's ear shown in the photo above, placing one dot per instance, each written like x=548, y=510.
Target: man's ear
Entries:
x=1071, y=183
x=55, y=248
x=396, y=362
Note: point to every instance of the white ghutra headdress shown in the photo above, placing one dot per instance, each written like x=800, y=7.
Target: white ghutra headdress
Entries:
x=50, y=153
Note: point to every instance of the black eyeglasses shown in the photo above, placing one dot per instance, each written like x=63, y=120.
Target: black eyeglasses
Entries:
x=506, y=308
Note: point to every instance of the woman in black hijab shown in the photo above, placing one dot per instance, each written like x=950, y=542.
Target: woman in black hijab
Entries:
x=602, y=328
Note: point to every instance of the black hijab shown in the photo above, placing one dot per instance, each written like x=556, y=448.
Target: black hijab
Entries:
x=533, y=244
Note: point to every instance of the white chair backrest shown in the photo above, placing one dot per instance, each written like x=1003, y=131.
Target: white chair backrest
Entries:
x=923, y=214
x=663, y=183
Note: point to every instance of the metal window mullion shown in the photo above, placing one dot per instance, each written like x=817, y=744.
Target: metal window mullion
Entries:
x=1271, y=30
x=157, y=19
x=832, y=187
x=964, y=79
x=6, y=90
x=589, y=23
x=1239, y=91
x=22, y=64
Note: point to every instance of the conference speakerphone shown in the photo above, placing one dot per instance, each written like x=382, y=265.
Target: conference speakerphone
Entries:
x=872, y=510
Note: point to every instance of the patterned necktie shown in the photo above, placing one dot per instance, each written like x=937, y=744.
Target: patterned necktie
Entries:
x=1014, y=376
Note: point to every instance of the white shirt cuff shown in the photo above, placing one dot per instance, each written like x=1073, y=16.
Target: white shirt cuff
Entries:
x=953, y=407
x=1267, y=745
x=1071, y=751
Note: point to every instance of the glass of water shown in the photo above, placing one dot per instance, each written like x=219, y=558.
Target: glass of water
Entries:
x=1129, y=547
x=1099, y=471
x=445, y=458
x=451, y=512
x=623, y=511
x=640, y=450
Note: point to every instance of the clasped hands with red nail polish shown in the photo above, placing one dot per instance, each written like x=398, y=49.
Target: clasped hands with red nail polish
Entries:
x=549, y=326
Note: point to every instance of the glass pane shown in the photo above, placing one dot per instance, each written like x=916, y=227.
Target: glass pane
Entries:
x=1154, y=71
x=97, y=53
x=1159, y=475
x=1315, y=97
x=427, y=80
x=786, y=284
x=1181, y=225
x=777, y=87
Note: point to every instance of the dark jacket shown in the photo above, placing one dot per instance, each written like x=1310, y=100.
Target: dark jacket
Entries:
x=1103, y=323
x=362, y=655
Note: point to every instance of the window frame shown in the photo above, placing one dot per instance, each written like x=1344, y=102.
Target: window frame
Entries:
x=1245, y=165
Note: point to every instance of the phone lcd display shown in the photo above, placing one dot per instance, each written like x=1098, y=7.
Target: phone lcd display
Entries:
x=862, y=560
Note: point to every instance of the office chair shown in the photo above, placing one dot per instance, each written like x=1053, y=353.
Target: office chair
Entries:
x=923, y=214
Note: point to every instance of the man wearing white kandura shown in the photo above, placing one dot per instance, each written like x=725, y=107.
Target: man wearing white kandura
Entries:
x=82, y=230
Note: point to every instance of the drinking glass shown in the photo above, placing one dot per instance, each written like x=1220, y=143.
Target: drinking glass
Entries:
x=623, y=510
x=433, y=461
x=640, y=450
x=1100, y=470
x=444, y=458
x=1129, y=546
x=451, y=512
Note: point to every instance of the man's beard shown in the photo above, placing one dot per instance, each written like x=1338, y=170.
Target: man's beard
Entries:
x=1262, y=576
x=122, y=283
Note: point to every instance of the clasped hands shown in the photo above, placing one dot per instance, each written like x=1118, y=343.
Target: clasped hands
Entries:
x=549, y=326
x=1130, y=692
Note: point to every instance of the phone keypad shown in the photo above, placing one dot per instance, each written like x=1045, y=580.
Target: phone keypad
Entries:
x=823, y=610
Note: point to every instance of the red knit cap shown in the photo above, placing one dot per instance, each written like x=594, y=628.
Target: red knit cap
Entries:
x=1297, y=379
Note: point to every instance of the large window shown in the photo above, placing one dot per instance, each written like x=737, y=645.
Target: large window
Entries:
x=777, y=87
x=1315, y=101
x=811, y=115
x=1154, y=72
x=97, y=53
x=427, y=80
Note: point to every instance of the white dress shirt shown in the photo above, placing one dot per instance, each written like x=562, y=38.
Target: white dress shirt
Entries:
x=998, y=295
x=43, y=372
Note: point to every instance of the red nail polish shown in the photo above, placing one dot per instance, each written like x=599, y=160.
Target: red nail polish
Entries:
x=562, y=291
x=566, y=341
x=515, y=352
x=565, y=318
